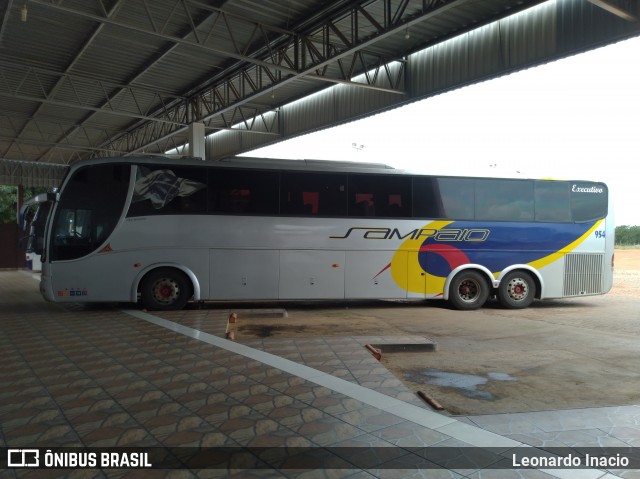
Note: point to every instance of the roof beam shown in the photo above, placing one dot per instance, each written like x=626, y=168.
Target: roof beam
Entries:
x=163, y=54
x=58, y=145
x=25, y=129
x=204, y=42
x=617, y=11
x=30, y=83
x=242, y=119
x=69, y=68
x=308, y=54
x=287, y=55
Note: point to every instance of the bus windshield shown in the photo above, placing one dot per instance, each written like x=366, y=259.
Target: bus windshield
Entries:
x=89, y=210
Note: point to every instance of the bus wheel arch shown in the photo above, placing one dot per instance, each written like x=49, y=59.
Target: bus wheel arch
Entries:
x=166, y=288
x=518, y=288
x=468, y=288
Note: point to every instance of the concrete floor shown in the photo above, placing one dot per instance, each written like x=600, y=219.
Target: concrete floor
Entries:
x=104, y=377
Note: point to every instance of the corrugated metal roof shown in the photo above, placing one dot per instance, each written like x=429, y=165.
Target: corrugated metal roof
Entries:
x=85, y=78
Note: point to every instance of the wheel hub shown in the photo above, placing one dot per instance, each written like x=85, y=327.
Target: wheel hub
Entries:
x=166, y=291
x=468, y=290
x=518, y=289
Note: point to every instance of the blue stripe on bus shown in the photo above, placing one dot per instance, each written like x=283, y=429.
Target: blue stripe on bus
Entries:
x=507, y=244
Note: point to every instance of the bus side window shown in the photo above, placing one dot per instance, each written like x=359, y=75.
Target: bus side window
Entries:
x=457, y=198
x=313, y=194
x=589, y=201
x=504, y=200
x=243, y=192
x=164, y=190
x=443, y=198
x=380, y=196
x=552, y=201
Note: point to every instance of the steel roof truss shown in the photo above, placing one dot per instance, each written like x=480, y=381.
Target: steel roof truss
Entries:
x=303, y=51
x=312, y=58
x=193, y=40
x=241, y=119
x=251, y=119
x=249, y=84
x=74, y=91
x=332, y=49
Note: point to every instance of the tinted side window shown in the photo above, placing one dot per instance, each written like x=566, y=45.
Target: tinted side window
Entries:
x=457, y=196
x=381, y=196
x=552, y=201
x=243, y=192
x=588, y=201
x=315, y=194
x=426, y=198
x=504, y=200
x=168, y=190
x=450, y=198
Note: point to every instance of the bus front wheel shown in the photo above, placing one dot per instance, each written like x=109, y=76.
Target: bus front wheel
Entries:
x=165, y=289
x=517, y=290
x=468, y=290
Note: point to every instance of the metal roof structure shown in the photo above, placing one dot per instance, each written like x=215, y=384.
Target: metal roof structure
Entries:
x=86, y=78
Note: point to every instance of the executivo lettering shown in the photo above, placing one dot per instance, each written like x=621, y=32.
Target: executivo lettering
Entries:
x=593, y=189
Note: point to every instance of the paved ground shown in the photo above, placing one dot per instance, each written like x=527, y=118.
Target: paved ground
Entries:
x=107, y=376
x=560, y=354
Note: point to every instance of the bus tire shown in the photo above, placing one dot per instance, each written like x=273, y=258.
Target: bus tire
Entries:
x=517, y=290
x=469, y=290
x=165, y=289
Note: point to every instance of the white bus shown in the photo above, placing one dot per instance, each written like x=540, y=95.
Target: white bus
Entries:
x=163, y=232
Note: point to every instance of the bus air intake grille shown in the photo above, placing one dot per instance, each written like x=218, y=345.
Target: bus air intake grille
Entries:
x=583, y=274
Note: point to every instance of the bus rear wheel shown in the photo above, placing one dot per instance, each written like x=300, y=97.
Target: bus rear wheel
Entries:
x=517, y=290
x=165, y=289
x=468, y=290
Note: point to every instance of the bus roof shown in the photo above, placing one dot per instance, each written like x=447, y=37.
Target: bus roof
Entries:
x=291, y=165
x=245, y=162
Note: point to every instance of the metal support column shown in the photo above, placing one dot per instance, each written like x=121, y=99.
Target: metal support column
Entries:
x=197, y=140
x=19, y=201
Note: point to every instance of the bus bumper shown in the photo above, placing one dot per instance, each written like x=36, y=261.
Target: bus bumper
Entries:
x=46, y=288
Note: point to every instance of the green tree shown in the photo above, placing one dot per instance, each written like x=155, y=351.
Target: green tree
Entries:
x=627, y=235
x=7, y=204
x=9, y=199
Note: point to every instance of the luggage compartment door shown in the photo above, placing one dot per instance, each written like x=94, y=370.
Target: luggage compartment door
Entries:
x=244, y=274
x=306, y=274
